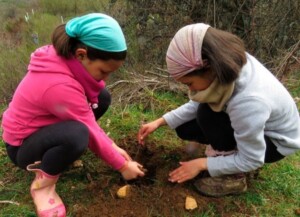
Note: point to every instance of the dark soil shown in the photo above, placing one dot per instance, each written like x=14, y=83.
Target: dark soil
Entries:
x=152, y=195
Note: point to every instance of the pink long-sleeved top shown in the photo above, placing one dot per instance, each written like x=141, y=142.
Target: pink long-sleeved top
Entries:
x=48, y=94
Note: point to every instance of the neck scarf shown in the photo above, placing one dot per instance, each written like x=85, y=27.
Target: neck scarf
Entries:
x=92, y=88
x=216, y=95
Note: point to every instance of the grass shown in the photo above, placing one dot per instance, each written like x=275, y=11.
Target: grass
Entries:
x=13, y=181
x=282, y=182
x=275, y=193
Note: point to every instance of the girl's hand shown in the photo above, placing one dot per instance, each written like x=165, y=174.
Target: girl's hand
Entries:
x=131, y=170
x=122, y=152
x=148, y=128
x=188, y=170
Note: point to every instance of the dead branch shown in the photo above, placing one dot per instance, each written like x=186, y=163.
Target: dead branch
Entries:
x=141, y=88
x=239, y=10
x=118, y=82
x=163, y=70
x=154, y=73
x=281, y=72
x=297, y=59
x=9, y=202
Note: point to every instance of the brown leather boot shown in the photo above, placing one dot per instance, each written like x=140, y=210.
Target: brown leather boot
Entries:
x=221, y=186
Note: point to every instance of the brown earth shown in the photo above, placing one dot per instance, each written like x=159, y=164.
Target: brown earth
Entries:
x=153, y=195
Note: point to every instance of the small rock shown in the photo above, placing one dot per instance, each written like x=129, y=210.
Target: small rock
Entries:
x=123, y=191
x=77, y=163
x=190, y=203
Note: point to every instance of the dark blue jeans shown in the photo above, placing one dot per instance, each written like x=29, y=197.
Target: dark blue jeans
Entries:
x=214, y=128
x=56, y=145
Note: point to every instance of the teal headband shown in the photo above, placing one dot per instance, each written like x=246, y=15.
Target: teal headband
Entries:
x=98, y=31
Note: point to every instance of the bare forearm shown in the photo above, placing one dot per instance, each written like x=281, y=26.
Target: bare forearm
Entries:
x=161, y=122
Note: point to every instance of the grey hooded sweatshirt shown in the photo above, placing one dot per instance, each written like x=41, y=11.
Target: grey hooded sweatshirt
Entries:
x=260, y=105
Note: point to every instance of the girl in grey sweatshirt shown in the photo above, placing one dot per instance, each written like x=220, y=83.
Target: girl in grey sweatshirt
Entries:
x=237, y=107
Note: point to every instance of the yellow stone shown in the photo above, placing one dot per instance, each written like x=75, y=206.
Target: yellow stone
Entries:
x=190, y=203
x=77, y=163
x=123, y=191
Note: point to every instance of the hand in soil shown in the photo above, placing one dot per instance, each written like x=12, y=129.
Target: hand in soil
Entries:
x=132, y=170
x=188, y=170
x=143, y=169
x=148, y=128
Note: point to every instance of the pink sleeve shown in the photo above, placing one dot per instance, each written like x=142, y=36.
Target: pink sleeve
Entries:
x=68, y=102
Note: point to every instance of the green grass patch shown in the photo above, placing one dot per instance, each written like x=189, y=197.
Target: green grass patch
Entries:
x=275, y=192
x=279, y=187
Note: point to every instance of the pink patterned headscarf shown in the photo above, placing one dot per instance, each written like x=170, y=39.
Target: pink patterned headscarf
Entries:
x=184, y=52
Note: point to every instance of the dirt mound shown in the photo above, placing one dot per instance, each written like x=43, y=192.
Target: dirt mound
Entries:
x=151, y=195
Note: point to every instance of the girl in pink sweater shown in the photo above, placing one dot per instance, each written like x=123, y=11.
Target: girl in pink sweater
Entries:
x=53, y=115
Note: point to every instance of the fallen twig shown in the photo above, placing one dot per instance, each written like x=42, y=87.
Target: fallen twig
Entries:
x=118, y=82
x=163, y=70
x=157, y=74
x=284, y=63
x=10, y=202
x=140, y=87
x=297, y=59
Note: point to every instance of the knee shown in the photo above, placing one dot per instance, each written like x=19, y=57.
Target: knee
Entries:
x=181, y=132
x=80, y=136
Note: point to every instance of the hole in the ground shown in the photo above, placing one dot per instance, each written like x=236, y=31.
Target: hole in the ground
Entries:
x=148, y=179
x=148, y=159
x=156, y=160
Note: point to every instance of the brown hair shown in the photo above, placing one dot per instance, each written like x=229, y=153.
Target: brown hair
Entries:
x=225, y=53
x=66, y=46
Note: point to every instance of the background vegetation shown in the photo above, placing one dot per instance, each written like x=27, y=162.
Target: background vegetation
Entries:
x=142, y=89
x=269, y=28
